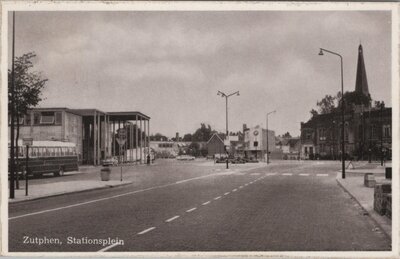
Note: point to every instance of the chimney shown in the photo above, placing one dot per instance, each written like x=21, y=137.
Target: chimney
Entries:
x=177, y=136
x=244, y=127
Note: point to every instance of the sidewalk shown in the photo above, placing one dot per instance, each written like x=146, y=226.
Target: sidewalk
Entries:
x=54, y=189
x=354, y=185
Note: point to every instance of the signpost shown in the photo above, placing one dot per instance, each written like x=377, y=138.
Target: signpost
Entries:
x=27, y=142
x=121, y=139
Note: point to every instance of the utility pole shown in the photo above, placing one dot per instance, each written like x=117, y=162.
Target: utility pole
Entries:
x=267, y=136
x=227, y=133
x=12, y=114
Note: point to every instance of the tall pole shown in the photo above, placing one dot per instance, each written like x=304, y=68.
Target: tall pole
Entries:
x=267, y=142
x=342, y=101
x=321, y=52
x=12, y=146
x=226, y=126
x=267, y=136
x=381, y=130
x=226, y=110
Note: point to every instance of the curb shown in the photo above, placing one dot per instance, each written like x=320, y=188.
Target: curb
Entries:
x=67, y=193
x=369, y=214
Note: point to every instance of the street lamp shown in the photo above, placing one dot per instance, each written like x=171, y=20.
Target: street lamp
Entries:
x=267, y=135
x=321, y=53
x=222, y=94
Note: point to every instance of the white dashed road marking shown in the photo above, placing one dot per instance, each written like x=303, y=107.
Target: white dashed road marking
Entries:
x=146, y=230
x=304, y=174
x=322, y=174
x=207, y=202
x=217, y=198
x=240, y=187
x=226, y=193
x=109, y=247
x=288, y=174
x=234, y=190
x=171, y=219
x=192, y=209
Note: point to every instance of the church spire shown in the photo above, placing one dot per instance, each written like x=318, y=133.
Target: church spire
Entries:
x=361, y=78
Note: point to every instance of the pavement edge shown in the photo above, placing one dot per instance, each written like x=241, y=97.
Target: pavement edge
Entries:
x=371, y=216
x=68, y=192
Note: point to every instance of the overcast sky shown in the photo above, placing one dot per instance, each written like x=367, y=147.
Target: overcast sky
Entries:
x=170, y=65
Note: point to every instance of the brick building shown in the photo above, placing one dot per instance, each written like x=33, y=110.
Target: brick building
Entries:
x=367, y=129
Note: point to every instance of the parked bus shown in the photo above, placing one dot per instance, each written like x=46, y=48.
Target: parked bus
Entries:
x=48, y=157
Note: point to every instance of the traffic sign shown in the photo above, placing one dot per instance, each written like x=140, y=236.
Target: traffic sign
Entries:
x=121, y=136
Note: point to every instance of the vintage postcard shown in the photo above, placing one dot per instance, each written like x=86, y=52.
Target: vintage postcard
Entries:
x=199, y=129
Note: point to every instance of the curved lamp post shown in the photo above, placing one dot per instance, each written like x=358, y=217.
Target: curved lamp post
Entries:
x=321, y=53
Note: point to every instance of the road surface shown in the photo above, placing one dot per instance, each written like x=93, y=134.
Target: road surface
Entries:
x=191, y=206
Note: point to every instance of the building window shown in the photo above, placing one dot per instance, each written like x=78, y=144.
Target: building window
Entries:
x=28, y=119
x=47, y=118
x=58, y=118
x=386, y=131
x=36, y=118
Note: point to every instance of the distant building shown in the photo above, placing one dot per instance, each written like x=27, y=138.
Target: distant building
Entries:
x=255, y=142
x=215, y=145
x=291, y=148
x=367, y=129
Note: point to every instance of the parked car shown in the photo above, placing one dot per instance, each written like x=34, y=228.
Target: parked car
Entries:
x=110, y=161
x=185, y=157
x=238, y=160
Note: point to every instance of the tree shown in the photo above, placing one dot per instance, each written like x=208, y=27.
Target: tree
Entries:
x=286, y=135
x=379, y=104
x=158, y=137
x=203, y=134
x=194, y=149
x=313, y=112
x=357, y=98
x=28, y=86
x=187, y=137
x=327, y=104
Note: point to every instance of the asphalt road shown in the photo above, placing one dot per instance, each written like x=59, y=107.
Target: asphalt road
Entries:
x=291, y=206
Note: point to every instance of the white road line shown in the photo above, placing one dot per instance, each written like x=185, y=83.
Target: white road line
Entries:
x=108, y=198
x=171, y=219
x=192, y=209
x=322, y=174
x=240, y=187
x=246, y=184
x=217, y=198
x=109, y=247
x=207, y=202
x=304, y=174
x=146, y=230
x=268, y=174
x=288, y=174
x=234, y=190
x=226, y=193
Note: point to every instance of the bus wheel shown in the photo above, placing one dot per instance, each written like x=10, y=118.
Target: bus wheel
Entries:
x=59, y=172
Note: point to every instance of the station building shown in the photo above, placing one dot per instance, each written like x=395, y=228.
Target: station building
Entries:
x=93, y=132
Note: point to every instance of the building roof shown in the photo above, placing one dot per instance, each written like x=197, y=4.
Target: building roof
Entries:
x=114, y=116
x=361, y=77
x=219, y=136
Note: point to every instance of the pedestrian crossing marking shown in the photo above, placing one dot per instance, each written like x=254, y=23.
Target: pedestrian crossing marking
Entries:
x=304, y=174
x=322, y=174
x=288, y=174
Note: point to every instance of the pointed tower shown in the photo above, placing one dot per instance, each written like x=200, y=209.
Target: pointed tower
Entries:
x=361, y=78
